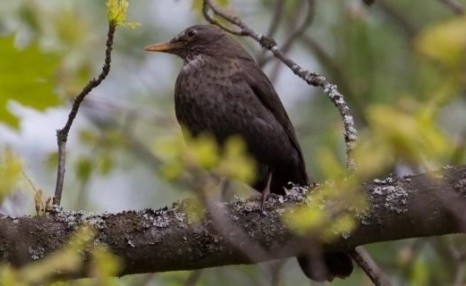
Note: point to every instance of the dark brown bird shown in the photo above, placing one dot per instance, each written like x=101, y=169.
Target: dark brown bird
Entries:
x=220, y=90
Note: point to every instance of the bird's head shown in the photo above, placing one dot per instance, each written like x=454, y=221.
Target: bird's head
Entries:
x=206, y=40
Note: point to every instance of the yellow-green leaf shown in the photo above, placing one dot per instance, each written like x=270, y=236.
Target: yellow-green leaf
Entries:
x=414, y=137
x=235, y=162
x=445, y=42
x=117, y=10
x=203, y=151
x=104, y=265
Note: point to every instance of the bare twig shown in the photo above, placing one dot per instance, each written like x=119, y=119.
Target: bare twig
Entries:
x=368, y=265
x=146, y=280
x=459, y=274
x=224, y=225
x=454, y=6
x=409, y=29
x=261, y=58
x=330, y=65
x=276, y=18
x=297, y=32
x=311, y=78
x=62, y=134
x=193, y=278
x=276, y=272
x=458, y=256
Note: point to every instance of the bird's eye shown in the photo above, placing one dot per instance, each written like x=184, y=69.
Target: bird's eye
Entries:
x=190, y=34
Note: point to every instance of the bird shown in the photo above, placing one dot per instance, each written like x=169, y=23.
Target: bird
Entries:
x=222, y=91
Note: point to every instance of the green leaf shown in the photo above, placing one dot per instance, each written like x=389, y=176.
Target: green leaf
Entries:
x=26, y=76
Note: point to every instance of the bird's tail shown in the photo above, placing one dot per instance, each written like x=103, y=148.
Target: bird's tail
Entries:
x=332, y=265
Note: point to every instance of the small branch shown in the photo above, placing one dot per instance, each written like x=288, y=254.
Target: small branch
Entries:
x=297, y=32
x=330, y=65
x=294, y=30
x=454, y=6
x=367, y=264
x=409, y=29
x=459, y=274
x=62, y=134
x=193, y=278
x=311, y=78
x=261, y=58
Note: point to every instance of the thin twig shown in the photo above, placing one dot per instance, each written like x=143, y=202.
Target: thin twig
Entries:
x=299, y=31
x=276, y=18
x=454, y=6
x=311, y=78
x=459, y=275
x=222, y=224
x=261, y=58
x=458, y=256
x=62, y=134
x=296, y=33
x=146, y=280
x=193, y=278
x=409, y=29
x=361, y=257
x=329, y=64
x=276, y=272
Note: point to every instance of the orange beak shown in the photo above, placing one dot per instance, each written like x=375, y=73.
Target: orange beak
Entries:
x=165, y=47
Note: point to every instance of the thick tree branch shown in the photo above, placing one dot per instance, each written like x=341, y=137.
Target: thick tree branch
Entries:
x=167, y=239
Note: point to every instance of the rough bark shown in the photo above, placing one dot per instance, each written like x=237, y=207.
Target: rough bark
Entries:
x=167, y=239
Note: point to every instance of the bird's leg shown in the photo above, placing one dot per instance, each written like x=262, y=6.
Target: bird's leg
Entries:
x=266, y=191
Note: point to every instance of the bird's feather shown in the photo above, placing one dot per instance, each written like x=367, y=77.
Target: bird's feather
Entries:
x=264, y=90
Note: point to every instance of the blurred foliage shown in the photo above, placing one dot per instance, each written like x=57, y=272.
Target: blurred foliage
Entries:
x=194, y=154
x=331, y=210
x=26, y=76
x=108, y=141
x=399, y=64
x=66, y=260
x=445, y=43
x=10, y=172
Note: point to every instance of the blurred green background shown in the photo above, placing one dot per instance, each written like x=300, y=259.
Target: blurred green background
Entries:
x=400, y=64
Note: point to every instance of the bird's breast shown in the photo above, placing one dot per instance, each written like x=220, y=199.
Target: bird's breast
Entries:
x=214, y=99
x=201, y=96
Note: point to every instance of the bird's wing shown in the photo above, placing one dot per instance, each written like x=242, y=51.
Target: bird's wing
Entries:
x=264, y=90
